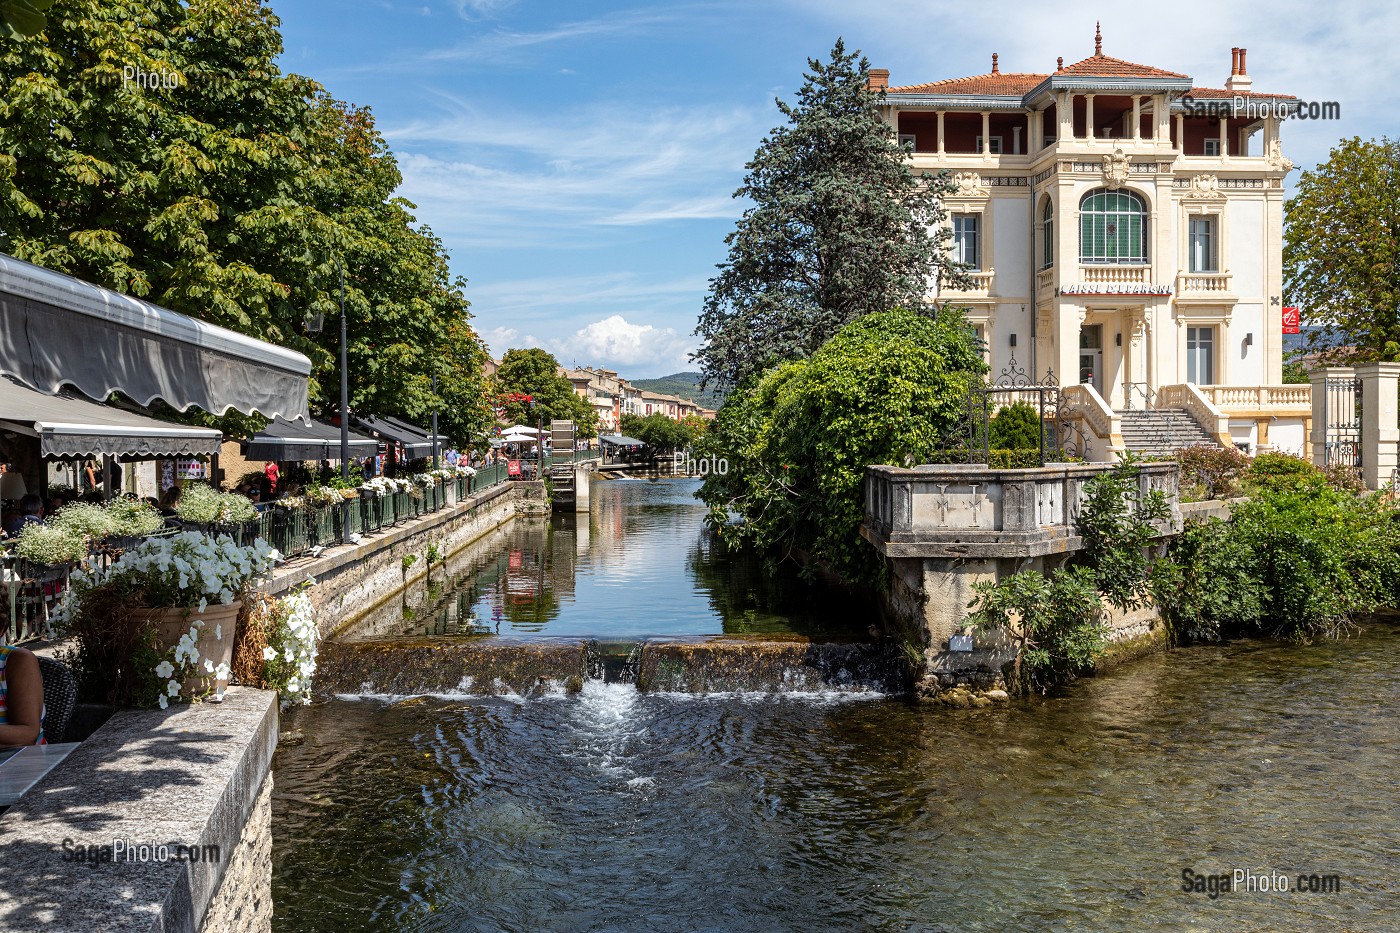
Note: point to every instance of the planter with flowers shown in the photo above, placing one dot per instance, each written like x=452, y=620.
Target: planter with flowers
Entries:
x=159, y=623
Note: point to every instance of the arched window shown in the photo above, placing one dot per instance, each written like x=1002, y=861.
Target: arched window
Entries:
x=1112, y=228
x=1047, y=253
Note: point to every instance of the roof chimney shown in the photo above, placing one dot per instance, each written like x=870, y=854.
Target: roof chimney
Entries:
x=879, y=79
x=1098, y=41
x=1239, y=81
x=995, y=69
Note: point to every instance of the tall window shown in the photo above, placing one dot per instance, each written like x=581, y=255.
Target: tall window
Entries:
x=1112, y=228
x=967, y=240
x=1203, y=245
x=1047, y=253
x=1200, y=355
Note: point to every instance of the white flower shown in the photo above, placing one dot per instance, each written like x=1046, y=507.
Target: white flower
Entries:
x=165, y=669
x=208, y=666
x=173, y=688
x=269, y=653
x=163, y=701
x=203, y=603
x=221, y=671
x=287, y=654
x=293, y=685
x=219, y=632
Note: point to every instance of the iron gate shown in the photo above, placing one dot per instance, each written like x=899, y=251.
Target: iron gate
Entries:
x=1061, y=437
x=1343, y=432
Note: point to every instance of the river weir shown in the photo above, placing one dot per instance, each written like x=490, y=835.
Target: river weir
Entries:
x=498, y=760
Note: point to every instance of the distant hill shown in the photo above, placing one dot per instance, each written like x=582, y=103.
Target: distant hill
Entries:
x=682, y=385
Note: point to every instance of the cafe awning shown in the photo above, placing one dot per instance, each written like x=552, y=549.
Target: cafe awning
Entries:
x=417, y=442
x=69, y=425
x=621, y=440
x=305, y=440
x=57, y=330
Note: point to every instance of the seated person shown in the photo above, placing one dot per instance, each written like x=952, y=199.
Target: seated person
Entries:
x=31, y=512
x=169, y=500
x=21, y=698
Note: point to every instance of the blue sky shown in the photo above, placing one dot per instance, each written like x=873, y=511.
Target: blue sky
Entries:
x=578, y=159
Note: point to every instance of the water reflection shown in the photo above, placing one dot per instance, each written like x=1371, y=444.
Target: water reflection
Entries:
x=639, y=564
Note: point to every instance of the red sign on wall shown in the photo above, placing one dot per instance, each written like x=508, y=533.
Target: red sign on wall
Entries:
x=1290, y=320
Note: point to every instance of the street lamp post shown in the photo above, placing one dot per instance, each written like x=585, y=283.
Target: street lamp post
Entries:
x=344, y=406
x=435, y=416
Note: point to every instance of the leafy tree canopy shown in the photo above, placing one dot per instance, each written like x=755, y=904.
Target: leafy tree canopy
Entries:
x=535, y=372
x=797, y=441
x=659, y=432
x=155, y=148
x=1341, y=250
x=840, y=227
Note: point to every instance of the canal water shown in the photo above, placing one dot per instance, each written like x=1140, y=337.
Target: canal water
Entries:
x=614, y=809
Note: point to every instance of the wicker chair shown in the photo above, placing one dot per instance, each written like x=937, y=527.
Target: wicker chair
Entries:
x=60, y=696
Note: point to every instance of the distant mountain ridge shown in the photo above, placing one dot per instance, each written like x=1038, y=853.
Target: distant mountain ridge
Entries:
x=682, y=385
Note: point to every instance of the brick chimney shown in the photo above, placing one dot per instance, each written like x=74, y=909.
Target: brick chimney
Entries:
x=879, y=79
x=1239, y=78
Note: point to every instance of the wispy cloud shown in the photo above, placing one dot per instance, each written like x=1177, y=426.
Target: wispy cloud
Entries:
x=512, y=178
x=636, y=350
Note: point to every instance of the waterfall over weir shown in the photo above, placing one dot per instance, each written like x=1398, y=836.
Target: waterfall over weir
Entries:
x=536, y=667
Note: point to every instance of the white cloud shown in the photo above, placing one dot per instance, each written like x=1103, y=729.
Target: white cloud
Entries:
x=630, y=348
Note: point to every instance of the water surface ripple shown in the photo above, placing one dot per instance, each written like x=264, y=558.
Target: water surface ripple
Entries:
x=615, y=810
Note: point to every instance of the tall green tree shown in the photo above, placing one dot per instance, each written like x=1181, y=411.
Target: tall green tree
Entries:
x=796, y=443
x=156, y=148
x=840, y=227
x=535, y=372
x=1341, y=249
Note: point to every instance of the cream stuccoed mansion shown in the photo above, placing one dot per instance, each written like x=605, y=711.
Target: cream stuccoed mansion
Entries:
x=1124, y=228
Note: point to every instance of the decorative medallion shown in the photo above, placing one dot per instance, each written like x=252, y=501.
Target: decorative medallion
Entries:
x=969, y=185
x=1204, y=187
x=1115, y=170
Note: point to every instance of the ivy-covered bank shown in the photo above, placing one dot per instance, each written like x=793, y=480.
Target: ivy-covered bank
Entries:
x=1304, y=556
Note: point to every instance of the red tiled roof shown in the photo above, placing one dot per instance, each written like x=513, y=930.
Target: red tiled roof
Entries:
x=1106, y=66
x=1216, y=93
x=1000, y=85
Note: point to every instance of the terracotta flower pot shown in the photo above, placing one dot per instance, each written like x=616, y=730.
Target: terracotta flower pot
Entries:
x=216, y=625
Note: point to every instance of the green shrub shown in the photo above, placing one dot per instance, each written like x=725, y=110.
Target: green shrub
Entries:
x=205, y=505
x=85, y=520
x=1017, y=427
x=1209, y=471
x=1282, y=471
x=50, y=544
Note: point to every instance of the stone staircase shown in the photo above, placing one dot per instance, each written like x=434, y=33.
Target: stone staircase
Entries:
x=1162, y=431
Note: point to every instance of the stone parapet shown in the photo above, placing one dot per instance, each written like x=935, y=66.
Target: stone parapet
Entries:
x=197, y=776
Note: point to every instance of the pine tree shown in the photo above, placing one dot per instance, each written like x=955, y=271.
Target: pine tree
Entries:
x=840, y=227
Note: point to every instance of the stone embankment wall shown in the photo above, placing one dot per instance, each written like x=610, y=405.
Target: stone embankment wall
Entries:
x=352, y=579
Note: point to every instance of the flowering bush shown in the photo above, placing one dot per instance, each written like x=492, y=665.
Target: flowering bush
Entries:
x=427, y=480
x=206, y=505
x=48, y=544
x=289, y=659
x=452, y=472
x=133, y=517
x=386, y=485
x=188, y=570
x=85, y=520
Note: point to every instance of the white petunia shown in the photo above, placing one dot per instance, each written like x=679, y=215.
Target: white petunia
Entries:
x=165, y=669
x=163, y=701
x=208, y=666
x=221, y=671
x=269, y=653
x=173, y=688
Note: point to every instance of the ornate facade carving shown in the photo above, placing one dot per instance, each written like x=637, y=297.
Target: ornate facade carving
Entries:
x=1205, y=188
x=1115, y=170
x=969, y=185
x=1275, y=158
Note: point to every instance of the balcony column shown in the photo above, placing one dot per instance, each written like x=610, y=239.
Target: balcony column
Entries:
x=1089, y=116
x=940, y=133
x=1137, y=117
x=1225, y=139
x=1161, y=117
x=1180, y=132
x=1064, y=116
x=1034, y=122
x=986, y=136
x=1066, y=356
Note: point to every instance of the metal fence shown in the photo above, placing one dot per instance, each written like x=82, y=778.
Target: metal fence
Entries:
x=29, y=591
x=1343, y=428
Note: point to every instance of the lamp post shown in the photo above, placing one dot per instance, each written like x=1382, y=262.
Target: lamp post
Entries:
x=344, y=407
x=435, y=416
